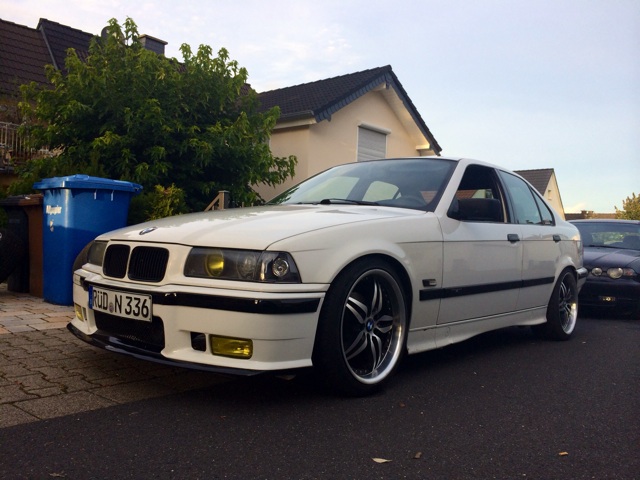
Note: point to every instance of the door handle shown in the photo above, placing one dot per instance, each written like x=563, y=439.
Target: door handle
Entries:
x=513, y=237
x=556, y=238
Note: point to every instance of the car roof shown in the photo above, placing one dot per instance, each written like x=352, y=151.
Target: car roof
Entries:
x=461, y=160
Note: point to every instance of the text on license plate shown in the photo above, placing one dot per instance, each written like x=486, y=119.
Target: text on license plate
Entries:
x=122, y=304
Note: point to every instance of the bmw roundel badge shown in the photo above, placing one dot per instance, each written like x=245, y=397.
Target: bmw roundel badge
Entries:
x=147, y=230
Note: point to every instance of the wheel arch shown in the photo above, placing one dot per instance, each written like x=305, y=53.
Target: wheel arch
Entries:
x=398, y=268
x=567, y=267
x=343, y=355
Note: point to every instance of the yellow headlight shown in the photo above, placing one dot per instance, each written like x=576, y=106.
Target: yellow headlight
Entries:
x=214, y=263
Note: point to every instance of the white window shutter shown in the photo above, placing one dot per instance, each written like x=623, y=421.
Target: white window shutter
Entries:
x=371, y=144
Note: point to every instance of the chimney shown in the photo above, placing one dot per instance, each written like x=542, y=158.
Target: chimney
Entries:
x=154, y=44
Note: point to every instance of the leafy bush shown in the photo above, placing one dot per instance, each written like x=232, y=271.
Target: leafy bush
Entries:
x=126, y=113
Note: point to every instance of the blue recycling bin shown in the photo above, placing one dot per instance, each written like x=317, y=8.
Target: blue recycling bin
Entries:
x=76, y=209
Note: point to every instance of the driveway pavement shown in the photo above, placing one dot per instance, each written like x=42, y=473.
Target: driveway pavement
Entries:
x=503, y=405
x=46, y=372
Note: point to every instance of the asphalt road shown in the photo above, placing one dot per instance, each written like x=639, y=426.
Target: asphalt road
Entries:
x=503, y=405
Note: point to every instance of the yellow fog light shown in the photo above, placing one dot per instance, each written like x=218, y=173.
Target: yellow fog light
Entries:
x=231, y=347
x=78, y=309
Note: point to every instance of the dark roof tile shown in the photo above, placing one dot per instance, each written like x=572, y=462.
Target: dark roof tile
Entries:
x=322, y=98
x=60, y=38
x=23, y=56
x=538, y=178
x=315, y=97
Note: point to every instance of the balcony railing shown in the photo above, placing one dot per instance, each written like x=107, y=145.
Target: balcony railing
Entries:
x=13, y=148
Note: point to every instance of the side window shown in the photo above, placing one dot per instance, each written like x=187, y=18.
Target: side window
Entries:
x=478, y=198
x=545, y=212
x=525, y=205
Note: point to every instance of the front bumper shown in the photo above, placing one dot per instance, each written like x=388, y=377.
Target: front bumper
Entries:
x=114, y=344
x=620, y=294
x=280, y=325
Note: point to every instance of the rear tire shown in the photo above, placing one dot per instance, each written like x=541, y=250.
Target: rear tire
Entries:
x=362, y=329
x=562, y=311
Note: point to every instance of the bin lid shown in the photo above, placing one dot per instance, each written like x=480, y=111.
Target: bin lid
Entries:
x=22, y=200
x=86, y=182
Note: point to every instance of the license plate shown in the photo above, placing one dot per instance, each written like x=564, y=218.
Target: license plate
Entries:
x=122, y=304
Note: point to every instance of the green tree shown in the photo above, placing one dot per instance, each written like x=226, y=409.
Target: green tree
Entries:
x=127, y=113
x=630, y=208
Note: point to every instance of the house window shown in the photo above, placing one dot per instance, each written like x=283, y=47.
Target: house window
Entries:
x=371, y=144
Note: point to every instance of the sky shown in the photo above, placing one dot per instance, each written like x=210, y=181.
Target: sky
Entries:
x=525, y=84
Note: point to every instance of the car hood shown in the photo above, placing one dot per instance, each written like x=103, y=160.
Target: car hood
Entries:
x=611, y=257
x=252, y=228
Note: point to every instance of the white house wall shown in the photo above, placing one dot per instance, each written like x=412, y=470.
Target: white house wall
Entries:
x=322, y=145
x=553, y=196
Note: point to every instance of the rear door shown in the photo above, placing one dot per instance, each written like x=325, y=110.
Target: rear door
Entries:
x=541, y=244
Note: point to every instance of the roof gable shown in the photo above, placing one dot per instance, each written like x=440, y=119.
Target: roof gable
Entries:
x=321, y=99
x=539, y=178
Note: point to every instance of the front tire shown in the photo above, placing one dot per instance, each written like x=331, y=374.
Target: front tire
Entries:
x=562, y=311
x=362, y=329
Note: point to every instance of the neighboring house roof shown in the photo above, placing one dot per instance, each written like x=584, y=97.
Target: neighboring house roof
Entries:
x=29, y=50
x=538, y=178
x=23, y=55
x=589, y=214
x=59, y=38
x=25, y=51
x=545, y=182
x=321, y=99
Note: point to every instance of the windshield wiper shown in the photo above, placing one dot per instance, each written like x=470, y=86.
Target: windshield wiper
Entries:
x=345, y=201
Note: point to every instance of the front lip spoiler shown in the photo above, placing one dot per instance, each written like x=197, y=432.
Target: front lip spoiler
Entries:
x=112, y=344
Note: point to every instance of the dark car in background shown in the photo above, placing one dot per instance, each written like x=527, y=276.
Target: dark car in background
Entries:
x=612, y=256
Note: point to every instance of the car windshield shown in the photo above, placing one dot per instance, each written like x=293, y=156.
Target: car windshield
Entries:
x=407, y=183
x=610, y=234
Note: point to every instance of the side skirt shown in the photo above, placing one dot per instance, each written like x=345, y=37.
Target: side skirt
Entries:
x=438, y=336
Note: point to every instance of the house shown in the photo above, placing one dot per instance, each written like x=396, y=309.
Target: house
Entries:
x=343, y=119
x=584, y=214
x=544, y=181
x=24, y=52
x=23, y=55
x=347, y=118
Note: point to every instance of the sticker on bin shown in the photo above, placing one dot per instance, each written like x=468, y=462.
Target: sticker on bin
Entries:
x=121, y=304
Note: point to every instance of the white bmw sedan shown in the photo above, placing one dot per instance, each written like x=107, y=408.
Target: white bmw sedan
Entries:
x=346, y=272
